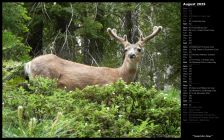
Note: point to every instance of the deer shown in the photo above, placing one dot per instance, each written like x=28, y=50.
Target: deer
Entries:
x=71, y=75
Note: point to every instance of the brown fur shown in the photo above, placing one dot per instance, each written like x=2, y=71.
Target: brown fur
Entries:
x=74, y=75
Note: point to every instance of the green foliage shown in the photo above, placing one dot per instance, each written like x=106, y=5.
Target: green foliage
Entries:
x=91, y=27
x=13, y=47
x=14, y=26
x=46, y=86
x=114, y=110
x=15, y=17
x=11, y=73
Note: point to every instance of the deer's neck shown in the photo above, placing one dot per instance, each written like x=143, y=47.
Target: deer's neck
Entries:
x=128, y=70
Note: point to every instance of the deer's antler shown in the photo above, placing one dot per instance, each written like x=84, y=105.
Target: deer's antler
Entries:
x=113, y=33
x=143, y=40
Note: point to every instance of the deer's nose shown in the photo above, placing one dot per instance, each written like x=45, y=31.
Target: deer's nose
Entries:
x=132, y=56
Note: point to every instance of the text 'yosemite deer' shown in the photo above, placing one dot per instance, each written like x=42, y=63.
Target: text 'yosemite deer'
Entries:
x=75, y=75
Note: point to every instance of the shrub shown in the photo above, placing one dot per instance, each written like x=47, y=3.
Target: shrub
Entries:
x=114, y=110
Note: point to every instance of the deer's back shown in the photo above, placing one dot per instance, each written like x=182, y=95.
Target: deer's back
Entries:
x=71, y=74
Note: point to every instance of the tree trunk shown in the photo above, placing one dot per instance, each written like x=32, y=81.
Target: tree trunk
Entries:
x=131, y=24
x=35, y=38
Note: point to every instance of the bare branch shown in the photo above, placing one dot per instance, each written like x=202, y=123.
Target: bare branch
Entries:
x=52, y=46
x=66, y=31
x=93, y=59
x=96, y=10
x=46, y=12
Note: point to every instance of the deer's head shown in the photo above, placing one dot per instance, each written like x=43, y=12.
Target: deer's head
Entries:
x=133, y=52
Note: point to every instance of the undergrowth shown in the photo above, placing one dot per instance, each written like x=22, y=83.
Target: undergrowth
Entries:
x=115, y=110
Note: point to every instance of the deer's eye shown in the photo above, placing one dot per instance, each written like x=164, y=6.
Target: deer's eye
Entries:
x=139, y=49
